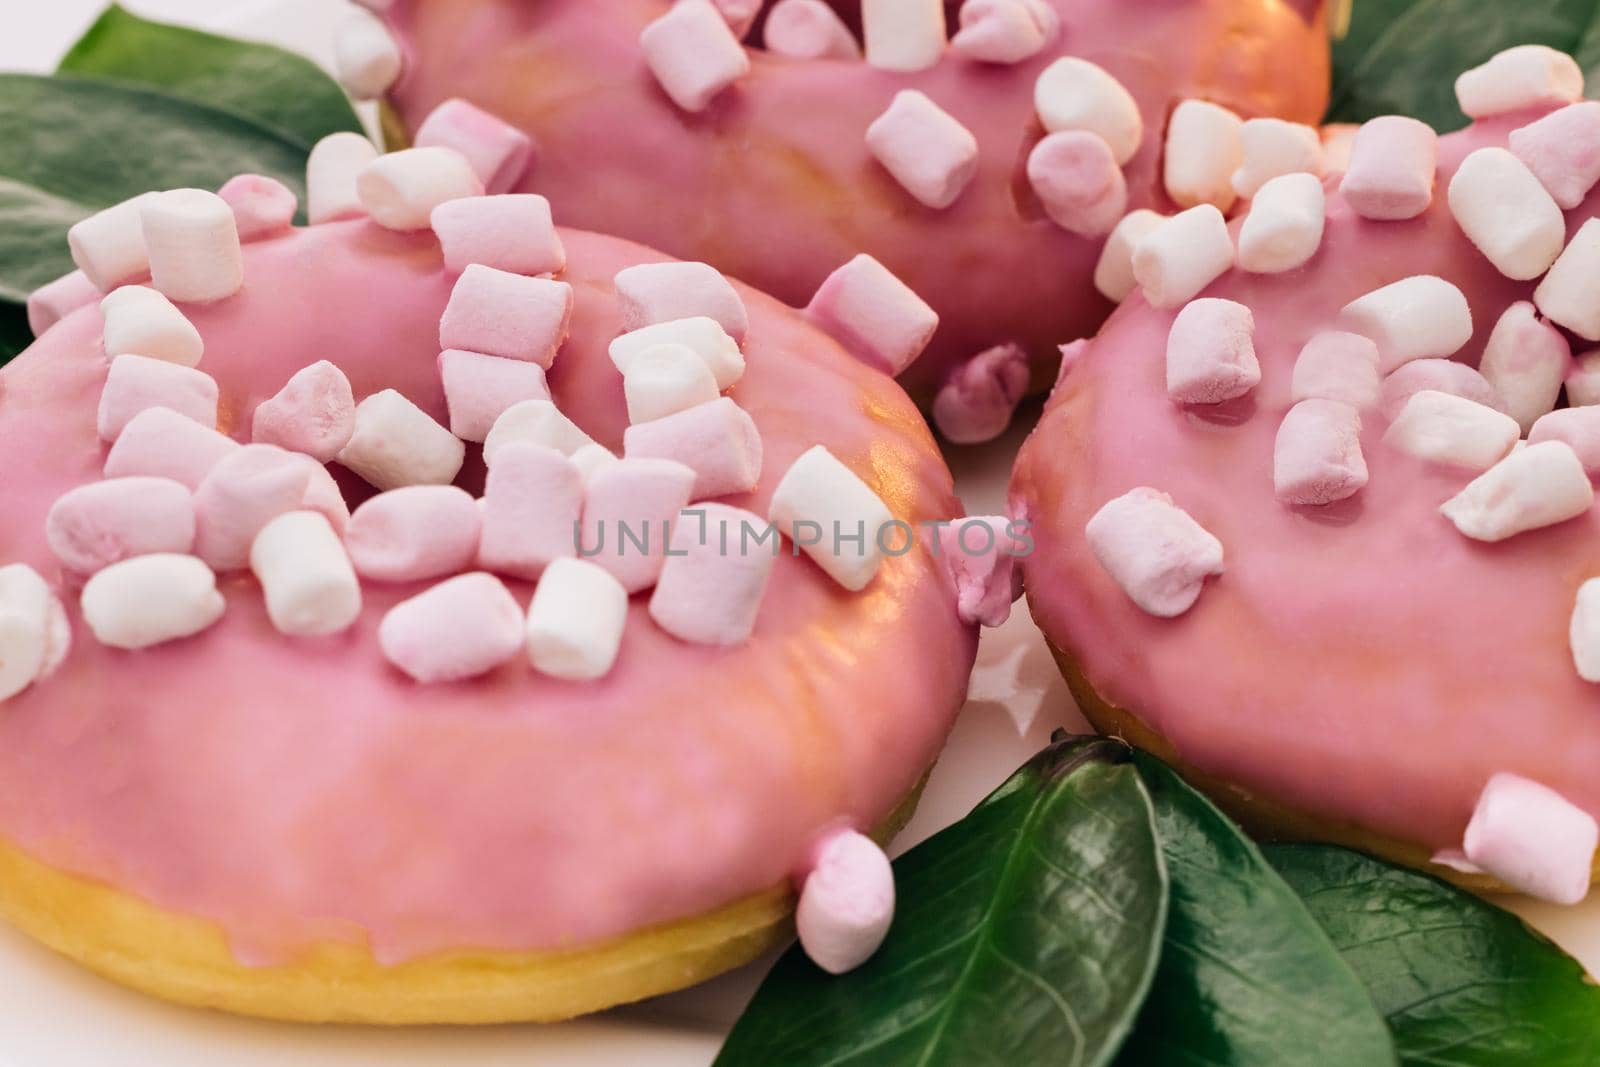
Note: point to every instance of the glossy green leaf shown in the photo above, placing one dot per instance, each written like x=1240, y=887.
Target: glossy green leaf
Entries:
x=1247, y=977
x=1462, y=983
x=1027, y=934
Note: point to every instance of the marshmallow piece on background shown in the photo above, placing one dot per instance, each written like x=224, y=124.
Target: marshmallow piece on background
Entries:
x=109, y=246
x=331, y=172
x=417, y=533
x=536, y=421
x=498, y=152
x=1074, y=94
x=1536, y=486
x=702, y=334
x=1441, y=375
x=1005, y=31
x=1525, y=361
x=247, y=489
x=1413, y=318
x=651, y=293
x=712, y=582
x=400, y=190
x=1317, y=458
x=141, y=321
x=1284, y=227
x=54, y=301
x=628, y=509
x=459, y=629
x=150, y=600
x=591, y=459
x=1563, y=151
x=1393, y=161
x=532, y=505
x=1529, y=75
x=366, y=56
x=903, y=35
x=875, y=315
x=693, y=54
x=1113, y=274
x=1533, y=839
x=96, y=525
x=1583, y=380
x=311, y=589
x=575, y=621
x=1211, y=355
x=1154, y=550
x=137, y=383
x=925, y=148
x=1271, y=148
x=718, y=441
x=1583, y=632
x=1337, y=366
x=193, y=244
x=982, y=566
x=1204, y=149
x=1578, y=427
x=513, y=232
x=664, y=380
x=478, y=389
x=1506, y=213
x=261, y=206
x=161, y=443
x=396, y=443
x=846, y=902
x=314, y=413
x=1078, y=182
x=1450, y=429
x=1177, y=259
x=976, y=402
x=827, y=511
x=1570, y=294
x=509, y=315
x=808, y=29
x=34, y=632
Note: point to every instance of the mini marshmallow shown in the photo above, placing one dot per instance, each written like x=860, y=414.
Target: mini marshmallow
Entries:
x=34, y=631
x=324, y=496
x=704, y=335
x=1578, y=427
x=717, y=440
x=1317, y=458
x=314, y=413
x=1154, y=551
x=1113, y=274
x=1539, y=485
x=1204, y=148
x=498, y=152
x=536, y=421
x=366, y=56
x=926, y=148
x=414, y=534
x=1284, y=227
x=193, y=243
x=109, y=245
x=311, y=589
x=1570, y=294
x=137, y=383
x=1450, y=429
x=575, y=621
x=664, y=380
x=331, y=172
x=1529, y=75
x=1337, y=366
x=503, y=314
x=712, y=582
x=1440, y=375
x=532, y=506
x=976, y=402
x=149, y=600
x=651, y=293
x=1563, y=151
x=1273, y=147
x=1177, y=259
x=1074, y=94
x=875, y=315
x=832, y=515
x=1525, y=362
x=459, y=629
x=513, y=232
x=846, y=903
x=740, y=15
x=54, y=301
x=1583, y=380
x=478, y=389
x=141, y=321
x=591, y=459
x=1005, y=31
x=261, y=206
x=96, y=525
x=1413, y=318
x=161, y=443
x=1078, y=181
x=401, y=189
x=1211, y=355
x=1391, y=171
x=247, y=489
x=693, y=54
x=1533, y=839
x=1505, y=212
x=808, y=29
x=1583, y=632
x=903, y=35
x=627, y=511
x=396, y=443
x=980, y=555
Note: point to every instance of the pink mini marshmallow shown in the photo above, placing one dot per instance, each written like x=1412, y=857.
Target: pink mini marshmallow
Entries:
x=324, y=496
x=478, y=389
x=262, y=206
x=1154, y=551
x=314, y=413
x=1525, y=361
x=1533, y=839
x=1317, y=457
x=846, y=902
x=514, y=232
x=808, y=29
x=503, y=314
x=648, y=293
x=1583, y=380
x=1440, y=376
x=1211, y=354
x=717, y=440
x=160, y=443
x=413, y=534
x=1578, y=427
x=1563, y=151
x=979, y=555
x=1525, y=76
x=1005, y=31
x=1079, y=182
x=740, y=15
x=875, y=315
x=1338, y=366
x=54, y=301
x=247, y=489
x=712, y=583
x=459, y=629
x=103, y=523
x=978, y=400
x=1393, y=161
x=927, y=149
x=138, y=383
x=693, y=53
x=627, y=513
x=532, y=505
x=500, y=154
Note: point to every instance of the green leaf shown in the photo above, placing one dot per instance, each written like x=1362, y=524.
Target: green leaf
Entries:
x=282, y=91
x=1462, y=983
x=1247, y=977
x=1027, y=934
x=1403, y=56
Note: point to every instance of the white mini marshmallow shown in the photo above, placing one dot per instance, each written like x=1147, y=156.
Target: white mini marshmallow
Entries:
x=478, y=389
x=693, y=53
x=512, y=232
x=400, y=190
x=1525, y=360
x=109, y=247
x=1529, y=75
x=193, y=243
x=1450, y=429
x=1204, y=148
x=1274, y=147
x=1583, y=380
x=808, y=29
x=714, y=578
x=331, y=172
x=54, y=301
x=137, y=383
x=1393, y=161
x=650, y=293
x=262, y=206
x=575, y=621
x=873, y=314
x=459, y=629
x=1284, y=227
x=416, y=533
x=903, y=35
x=1177, y=259
x=832, y=515
x=628, y=508
x=666, y=379
x=1074, y=94
x=1441, y=375
x=1533, y=839
x=705, y=336
x=532, y=507
x=536, y=421
x=396, y=443
x=366, y=56
x=846, y=902
x=503, y=314
x=34, y=632
x=247, y=489
x=499, y=153
x=1005, y=31
x=314, y=413
x=1211, y=355
x=311, y=589
x=719, y=441
x=1337, y=366
x=1578, y=427
x=1317, y=458
x=1583, y=632
x=1113, y=274
x=160, y=443
x=149, y=600
x=1413, y=318
x=1154, y=550
x=1505, y=211
x=143, y=322
x=591, y=459
x=1078, y=182
x=1536, y=486
x=102, y=523
x=1563, y=151
x=925, y=148
x=1570, y=294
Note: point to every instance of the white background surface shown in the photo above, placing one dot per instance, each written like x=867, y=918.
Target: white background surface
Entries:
x=54, y=1015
